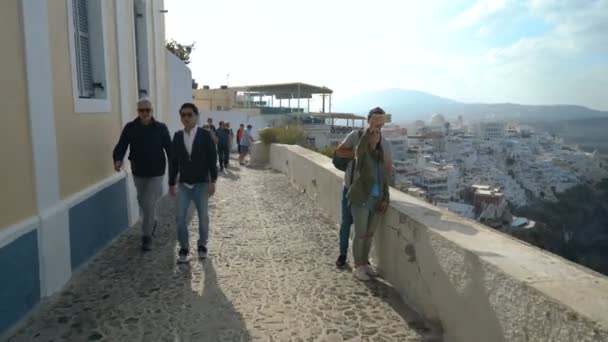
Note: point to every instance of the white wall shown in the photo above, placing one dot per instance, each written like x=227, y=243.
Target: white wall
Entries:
x=180, y=89
x=53, y=234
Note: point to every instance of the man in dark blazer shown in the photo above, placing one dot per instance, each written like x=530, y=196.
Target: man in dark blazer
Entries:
x=194, y=158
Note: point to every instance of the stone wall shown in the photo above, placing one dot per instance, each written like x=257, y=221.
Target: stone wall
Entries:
x=477, y=283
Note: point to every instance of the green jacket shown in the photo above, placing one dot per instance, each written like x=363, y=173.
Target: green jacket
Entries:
x=363, y=180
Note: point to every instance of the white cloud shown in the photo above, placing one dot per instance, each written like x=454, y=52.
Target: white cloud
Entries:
x=527, y=49
x=578, y=29
x=411, y=47
x=481, y=10
x=484, y=31
x=582, y=23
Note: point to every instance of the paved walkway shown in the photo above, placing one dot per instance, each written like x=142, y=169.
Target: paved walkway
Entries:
x=269, y=277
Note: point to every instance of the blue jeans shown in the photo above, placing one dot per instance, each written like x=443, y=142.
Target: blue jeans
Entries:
x=199, y=194
x=347, y=221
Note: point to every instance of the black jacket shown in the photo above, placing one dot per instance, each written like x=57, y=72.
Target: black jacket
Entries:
x=223, y=137
x=198, y=167
x=148, y=145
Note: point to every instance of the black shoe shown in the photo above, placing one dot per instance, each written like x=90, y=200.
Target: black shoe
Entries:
x=341, y=262
x=146, y=241
x=202, y=252
x=183, y=256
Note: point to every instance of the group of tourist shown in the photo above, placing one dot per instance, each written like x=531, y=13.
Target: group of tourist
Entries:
x=194, y=153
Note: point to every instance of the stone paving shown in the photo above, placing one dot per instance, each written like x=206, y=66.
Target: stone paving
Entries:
x=269, y=277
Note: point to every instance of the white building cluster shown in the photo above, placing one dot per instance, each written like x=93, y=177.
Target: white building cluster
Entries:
x=397, y=140
x=438, y=161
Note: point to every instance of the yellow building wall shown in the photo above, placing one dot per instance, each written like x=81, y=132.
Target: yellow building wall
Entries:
x=17, y=198
x=209, y=99
x=84, y=140
x=203, y=105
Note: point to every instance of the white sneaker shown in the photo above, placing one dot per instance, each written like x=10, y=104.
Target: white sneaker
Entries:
x=370, y=271
x=361, y=274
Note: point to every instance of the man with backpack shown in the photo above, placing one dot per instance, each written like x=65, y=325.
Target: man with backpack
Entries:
x=344, y=158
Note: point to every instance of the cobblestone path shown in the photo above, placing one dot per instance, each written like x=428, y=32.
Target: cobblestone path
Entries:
x=269, y=277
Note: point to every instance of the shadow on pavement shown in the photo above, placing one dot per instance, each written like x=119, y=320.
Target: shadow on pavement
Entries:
x=213, y=316
x=381, y=289
x=229, y=174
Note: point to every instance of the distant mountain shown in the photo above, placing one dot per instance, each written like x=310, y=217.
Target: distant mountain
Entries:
x=589, y=134
x=409, y=105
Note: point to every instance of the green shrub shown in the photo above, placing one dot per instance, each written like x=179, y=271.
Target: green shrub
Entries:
x=328, y=151
x=290, y=135
x=268, y=136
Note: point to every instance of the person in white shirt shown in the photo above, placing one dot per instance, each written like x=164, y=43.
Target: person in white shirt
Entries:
x=194, y=158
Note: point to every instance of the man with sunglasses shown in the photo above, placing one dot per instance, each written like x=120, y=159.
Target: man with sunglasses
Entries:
x=194, y=158
x=149, y=141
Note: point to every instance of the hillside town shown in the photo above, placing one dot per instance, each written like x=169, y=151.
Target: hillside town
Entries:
x=483, y=170
x=479, y=169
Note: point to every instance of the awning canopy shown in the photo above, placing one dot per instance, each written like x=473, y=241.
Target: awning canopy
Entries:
x=286, y=90
x=344, y=116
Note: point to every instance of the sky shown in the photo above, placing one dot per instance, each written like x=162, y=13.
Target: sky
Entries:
x=529, y=52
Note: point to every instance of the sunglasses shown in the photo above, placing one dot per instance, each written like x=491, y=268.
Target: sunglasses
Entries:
x=144, y=110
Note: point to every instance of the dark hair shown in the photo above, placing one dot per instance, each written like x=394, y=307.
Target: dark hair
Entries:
x=189, y=106
x=249, y=126
x=373, y=111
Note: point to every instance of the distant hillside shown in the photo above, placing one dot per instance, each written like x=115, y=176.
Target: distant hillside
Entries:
x=575, y=227
x=589, y=134
x=409, y=105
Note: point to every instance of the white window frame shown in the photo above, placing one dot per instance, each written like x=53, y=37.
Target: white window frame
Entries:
x=90, y=105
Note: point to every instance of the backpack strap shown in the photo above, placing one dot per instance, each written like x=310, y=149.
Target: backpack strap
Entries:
x=354, y=161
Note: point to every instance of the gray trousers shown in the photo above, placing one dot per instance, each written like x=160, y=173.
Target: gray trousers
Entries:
x=149, y=190
x=366, y=221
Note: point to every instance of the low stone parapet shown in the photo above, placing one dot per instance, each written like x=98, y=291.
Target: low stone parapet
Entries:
x=479, y=284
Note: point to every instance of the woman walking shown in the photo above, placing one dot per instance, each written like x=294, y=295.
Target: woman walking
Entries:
x=368, y=196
